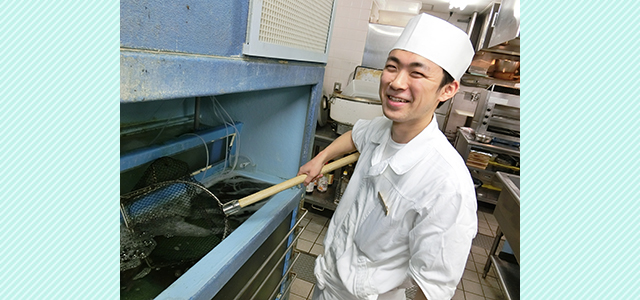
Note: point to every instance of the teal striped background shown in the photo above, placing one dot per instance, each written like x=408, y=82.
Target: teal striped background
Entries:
x=59, y=150
x=579, y=228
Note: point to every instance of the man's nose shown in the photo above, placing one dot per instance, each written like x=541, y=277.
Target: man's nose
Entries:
x=400, y=82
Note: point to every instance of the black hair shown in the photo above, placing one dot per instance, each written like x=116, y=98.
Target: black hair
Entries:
x=446, y=79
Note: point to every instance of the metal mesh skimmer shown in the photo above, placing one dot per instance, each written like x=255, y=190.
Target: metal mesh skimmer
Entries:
x=169, y=218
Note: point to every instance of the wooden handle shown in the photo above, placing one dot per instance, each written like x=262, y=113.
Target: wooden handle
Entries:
x=253, y=198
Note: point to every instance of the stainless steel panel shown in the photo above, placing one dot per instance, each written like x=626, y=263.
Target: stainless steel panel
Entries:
x=501, y=111
x=484, y=26
x=504, y=123
x=507, y=25
x=380, y=39
x=507, y=211
x=441, y=121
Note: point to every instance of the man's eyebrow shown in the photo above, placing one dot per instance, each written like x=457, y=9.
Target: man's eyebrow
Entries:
x=412, y=65
x=393, y=59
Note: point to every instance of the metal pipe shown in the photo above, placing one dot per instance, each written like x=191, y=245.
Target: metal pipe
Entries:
x=472, y=22
x=196, y=115
x=293, y=277
x=289, y=274
x=286, y=238
x=275, y=267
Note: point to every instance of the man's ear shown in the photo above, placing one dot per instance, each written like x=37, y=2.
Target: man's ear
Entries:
x=448, y=91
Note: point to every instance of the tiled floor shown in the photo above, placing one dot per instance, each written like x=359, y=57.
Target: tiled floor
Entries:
x=471, y=287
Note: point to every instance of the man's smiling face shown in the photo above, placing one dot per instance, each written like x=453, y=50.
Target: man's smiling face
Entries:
x=409, y=88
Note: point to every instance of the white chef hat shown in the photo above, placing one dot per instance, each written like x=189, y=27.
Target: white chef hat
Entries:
x=438, y=41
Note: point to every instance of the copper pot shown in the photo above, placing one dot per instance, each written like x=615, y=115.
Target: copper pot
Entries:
x=505, y=69
x=506, y=65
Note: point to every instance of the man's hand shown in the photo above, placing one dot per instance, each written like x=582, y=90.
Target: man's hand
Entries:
x=341, y=145
x=312, y=169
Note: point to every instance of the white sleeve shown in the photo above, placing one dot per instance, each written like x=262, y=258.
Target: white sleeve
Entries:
x=440, y=243
x=358, y=133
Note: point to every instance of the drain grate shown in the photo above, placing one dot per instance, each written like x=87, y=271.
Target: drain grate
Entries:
x=304, y=267
x=483, y=241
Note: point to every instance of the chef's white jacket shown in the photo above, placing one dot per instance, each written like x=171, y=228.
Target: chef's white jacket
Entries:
x=425, y=238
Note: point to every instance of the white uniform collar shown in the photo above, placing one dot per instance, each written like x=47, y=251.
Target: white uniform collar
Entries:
x=407, y=157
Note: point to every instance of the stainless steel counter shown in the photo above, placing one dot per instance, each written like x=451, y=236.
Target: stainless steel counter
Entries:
x=507, y=213
x=486, y=81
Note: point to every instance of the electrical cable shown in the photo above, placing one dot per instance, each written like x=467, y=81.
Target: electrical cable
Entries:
x=206, y=148
x=216, y=110
x=165, y=123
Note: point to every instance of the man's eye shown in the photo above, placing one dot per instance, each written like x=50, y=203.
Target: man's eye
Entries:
x=390, y=67
x=417, y=74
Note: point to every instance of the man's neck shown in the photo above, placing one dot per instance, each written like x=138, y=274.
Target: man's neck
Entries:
x=403, y=133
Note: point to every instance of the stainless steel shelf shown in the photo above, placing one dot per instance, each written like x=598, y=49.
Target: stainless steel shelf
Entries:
x=493, y=148
x=323, y=200
x=486, y=81
x=509, y=277
x=464, y=144
x=325, y=133
x=487, y=195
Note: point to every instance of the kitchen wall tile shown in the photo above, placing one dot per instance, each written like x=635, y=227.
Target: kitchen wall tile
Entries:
x=352, y=23
x=362, y=23
x=342, y=42
x=360, y=35
x=338, y=34
x=344, y=3
x=341, y=21
x=333, y=53
x=356, y=58
x=353, y=11
x=359, y=43
x=367, y=4
x=347, y=41
x=364, y=13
